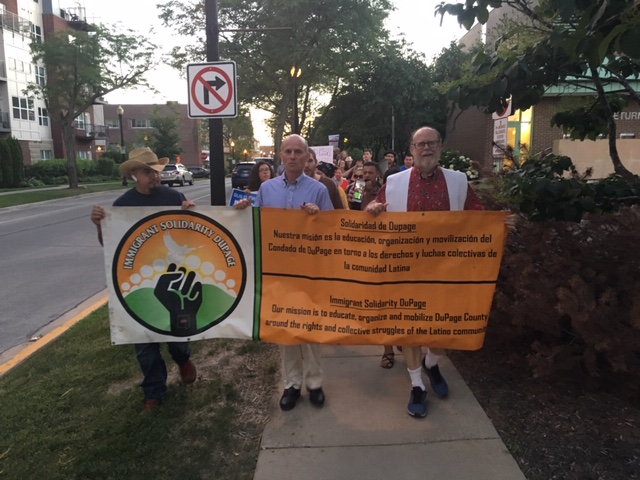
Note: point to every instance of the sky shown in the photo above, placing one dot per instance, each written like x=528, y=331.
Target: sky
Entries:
x=413, y=18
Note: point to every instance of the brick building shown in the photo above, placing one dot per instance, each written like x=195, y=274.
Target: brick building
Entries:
x=136, y=124
x=471, y=131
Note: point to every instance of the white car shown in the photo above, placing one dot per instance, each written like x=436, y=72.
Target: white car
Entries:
x=176, y=173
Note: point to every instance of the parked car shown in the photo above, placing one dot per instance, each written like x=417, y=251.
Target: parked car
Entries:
x=176, y=173
x=240, y=174
x=199, y=172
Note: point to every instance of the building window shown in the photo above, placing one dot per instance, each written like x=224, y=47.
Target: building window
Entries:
x=40, y=76
x=519, y=131
x=23, y=108
x=83, y=121
x=83, y=155
x=43, y=117
x=113, y=123
x=36, y=33
x=46, y=154
x=135, y=123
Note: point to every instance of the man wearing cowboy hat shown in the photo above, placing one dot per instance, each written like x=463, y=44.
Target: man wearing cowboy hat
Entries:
x=144, y=168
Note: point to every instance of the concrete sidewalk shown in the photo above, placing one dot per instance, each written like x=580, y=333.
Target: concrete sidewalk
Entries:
x=364, y=432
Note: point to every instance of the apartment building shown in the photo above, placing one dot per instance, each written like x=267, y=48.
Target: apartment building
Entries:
x=95, y=130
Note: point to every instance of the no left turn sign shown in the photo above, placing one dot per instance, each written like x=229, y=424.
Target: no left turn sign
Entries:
x=212, y=90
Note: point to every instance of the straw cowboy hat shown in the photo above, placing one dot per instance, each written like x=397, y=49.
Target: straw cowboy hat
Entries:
x=142, y=157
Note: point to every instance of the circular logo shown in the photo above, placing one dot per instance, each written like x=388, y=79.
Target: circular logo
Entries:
x=178, y=273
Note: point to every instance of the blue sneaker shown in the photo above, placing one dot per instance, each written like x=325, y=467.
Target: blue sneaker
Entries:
x=417, y=403
x=438, y=383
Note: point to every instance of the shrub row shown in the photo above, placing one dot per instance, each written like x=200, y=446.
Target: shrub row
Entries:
x=55, y=172
x=11, y=163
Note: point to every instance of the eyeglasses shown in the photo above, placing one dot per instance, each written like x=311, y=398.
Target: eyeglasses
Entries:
x=358, y=176
x=264, y=170
x=431, y=144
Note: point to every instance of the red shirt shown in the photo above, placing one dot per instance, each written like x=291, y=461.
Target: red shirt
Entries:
x=428, y=194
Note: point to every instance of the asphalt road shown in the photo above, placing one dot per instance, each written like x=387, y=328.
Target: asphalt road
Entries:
x=51, y=260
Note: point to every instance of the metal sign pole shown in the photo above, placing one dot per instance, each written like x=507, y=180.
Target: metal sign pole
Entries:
x=216, y=145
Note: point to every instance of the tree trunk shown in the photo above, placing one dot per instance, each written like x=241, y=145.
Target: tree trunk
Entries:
x=281, y=120
x=70, y=149
x=618, y=167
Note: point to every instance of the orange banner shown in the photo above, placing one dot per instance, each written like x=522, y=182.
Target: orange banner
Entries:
x=341, y=277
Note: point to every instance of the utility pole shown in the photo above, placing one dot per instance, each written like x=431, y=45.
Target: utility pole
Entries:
x=216, y=145
x=393, y=130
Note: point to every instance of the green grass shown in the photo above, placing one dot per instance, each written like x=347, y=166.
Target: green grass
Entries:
x=72, y=411
x=39, y=195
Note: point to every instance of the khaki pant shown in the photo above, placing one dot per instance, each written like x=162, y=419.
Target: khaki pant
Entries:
x=299, y=361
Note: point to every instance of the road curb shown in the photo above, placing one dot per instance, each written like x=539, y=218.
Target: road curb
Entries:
x=16, y=355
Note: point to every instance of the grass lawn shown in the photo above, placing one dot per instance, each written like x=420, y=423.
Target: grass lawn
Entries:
x=38, y=195
x=73, y=411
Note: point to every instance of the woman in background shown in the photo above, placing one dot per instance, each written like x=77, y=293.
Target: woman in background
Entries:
x=261, y=172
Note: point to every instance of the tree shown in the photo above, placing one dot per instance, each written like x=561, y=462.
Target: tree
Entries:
x=397, y=82
x=165, y=139
x=586, y=44
x=326, y=40
x=82, y=67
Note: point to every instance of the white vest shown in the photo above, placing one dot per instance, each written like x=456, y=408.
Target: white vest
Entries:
x=398, y=187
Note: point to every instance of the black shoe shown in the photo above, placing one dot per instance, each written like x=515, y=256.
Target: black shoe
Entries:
x=438, y=383
x=289, y=398
x=417, y=406
x=316, y=396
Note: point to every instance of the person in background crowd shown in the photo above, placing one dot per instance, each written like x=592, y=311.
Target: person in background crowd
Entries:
x=144, y=168
x=390, y=171
x=294, y=189
x=408, y=161
x=390, y=157
x=328, y=171
x=371, y=176
x=336, y=154
x=356, y=163
x=426, y=187
x=340, y=180
x=344, y=155
x=310, y=171
x=260, y=173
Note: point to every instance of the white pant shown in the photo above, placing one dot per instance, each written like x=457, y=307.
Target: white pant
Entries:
x=298, y=360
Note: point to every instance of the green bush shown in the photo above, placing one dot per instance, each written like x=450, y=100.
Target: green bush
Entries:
x=454, y=160
x=18, y=161
x=33, y=182
x=106, y=167
x=6, y=164
x=548, y=187
x=47, y=169
x=85, y=168
x=356, y=153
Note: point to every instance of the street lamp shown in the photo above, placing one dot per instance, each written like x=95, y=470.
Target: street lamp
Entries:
x=233, y=158
x=245, y=154
x=120, y=112
x=295, y=74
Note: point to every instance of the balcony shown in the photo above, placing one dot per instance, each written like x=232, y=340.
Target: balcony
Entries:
x=89, y=131
x=5, y=124
x=76, y=17
x=11, y=21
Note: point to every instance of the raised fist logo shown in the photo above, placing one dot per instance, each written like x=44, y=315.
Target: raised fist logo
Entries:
x=182, y=297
